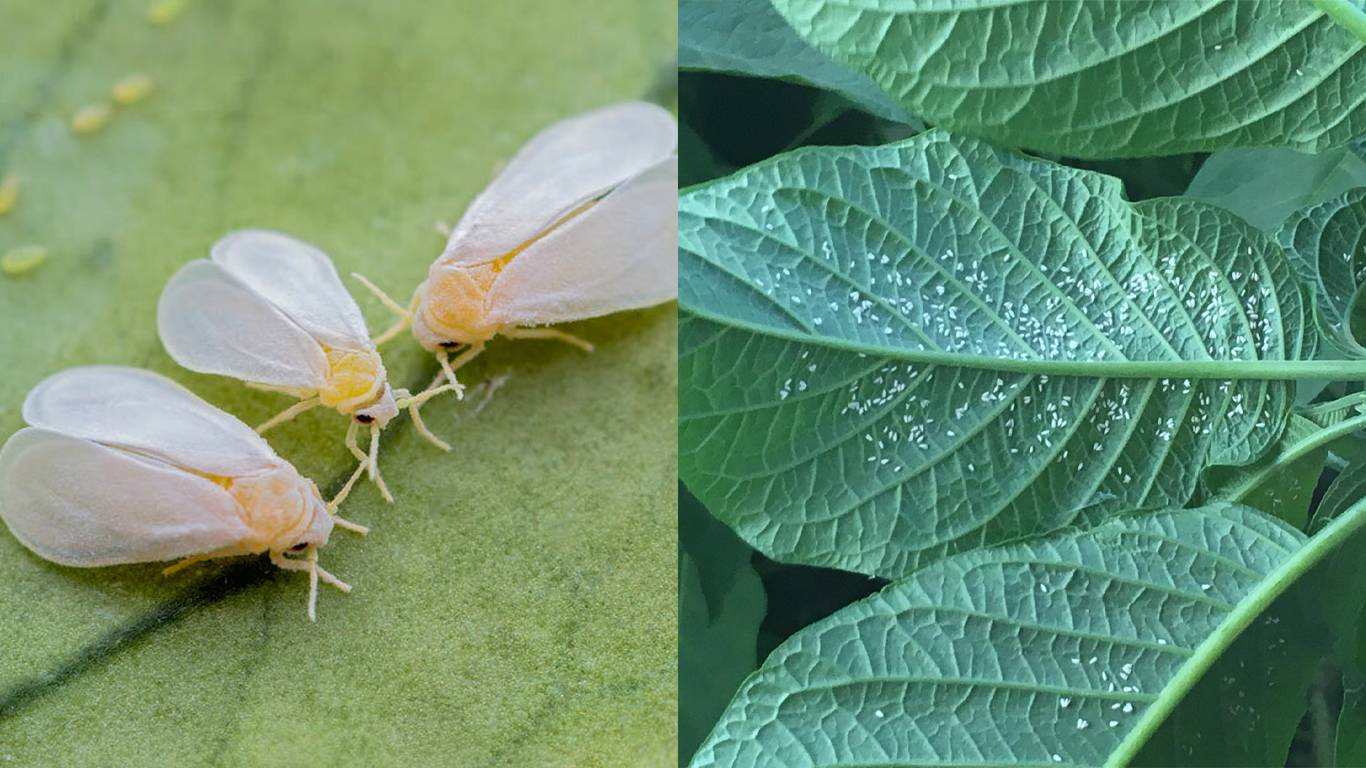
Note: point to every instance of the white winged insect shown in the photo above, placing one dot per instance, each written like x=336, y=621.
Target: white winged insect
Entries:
x=120, y=465
x=270, y=310
x=581, y=223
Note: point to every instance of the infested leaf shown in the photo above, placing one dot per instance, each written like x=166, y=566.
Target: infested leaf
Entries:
x=891, y=354
x=1066, y=650
x=1118, y=79
x=1325, y=244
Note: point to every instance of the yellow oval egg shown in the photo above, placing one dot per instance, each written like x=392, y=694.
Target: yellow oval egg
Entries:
x=162, y=12
x=90, y=119
x=131, y=89
x=9, y=193
x=24, y=259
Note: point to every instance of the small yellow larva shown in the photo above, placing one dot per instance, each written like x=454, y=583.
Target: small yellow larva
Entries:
x=162, y=12
x=91, y=118
x=131, y=89
x=25, y=258
x=9, y=193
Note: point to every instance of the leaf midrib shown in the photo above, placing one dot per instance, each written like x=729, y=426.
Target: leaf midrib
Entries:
x=1232, y=370
x=1244, y=613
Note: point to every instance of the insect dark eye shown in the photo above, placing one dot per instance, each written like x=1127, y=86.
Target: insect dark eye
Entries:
x=364, y=418
x=301, y=546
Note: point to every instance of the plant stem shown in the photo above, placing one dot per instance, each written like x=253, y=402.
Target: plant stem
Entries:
x=1346, y=14
x=1239, y=619
x=1295, y=452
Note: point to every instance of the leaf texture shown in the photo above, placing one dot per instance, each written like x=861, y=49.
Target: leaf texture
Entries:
x=868, y=335
x=1109, y=79
x=1041, y=654
x=1327, y=245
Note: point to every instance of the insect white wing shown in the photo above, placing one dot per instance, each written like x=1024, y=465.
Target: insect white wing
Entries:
x=210, y=322
x=83, y=504
x=620, y=254
x=562, y=167
x=299, y=279
x=140, y=411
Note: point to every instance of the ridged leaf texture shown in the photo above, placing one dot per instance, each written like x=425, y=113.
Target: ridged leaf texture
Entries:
x=1041, y=654
x=873, y=342
x=1327, y=244
x=1109, y=79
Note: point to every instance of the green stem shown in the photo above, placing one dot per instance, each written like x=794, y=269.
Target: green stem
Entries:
x=1295, y=452
x=1228, y=370
x=1239, y=619
x=1346, y=14
x=1345, y=403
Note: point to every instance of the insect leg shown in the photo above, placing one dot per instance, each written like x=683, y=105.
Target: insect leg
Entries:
x=421, y=427
x=374, y=466
x=183, y=564
x=346, y=491
x=351, y=443
x=290, y=413
x=548, y=333
x=290, y=564
x=414, y=406
x=449, y=367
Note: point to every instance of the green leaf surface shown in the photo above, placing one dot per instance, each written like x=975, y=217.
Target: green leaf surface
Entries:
x=1282, y=481
x=721, y=603
x=748, y=37
x=1327, y=245
x=890, y=354
x=516, y=606
x=1068, y=650
x=1350, y=742
x=718, y=649
x=1266, y=185
x=1347, y=488
x=1118, y=79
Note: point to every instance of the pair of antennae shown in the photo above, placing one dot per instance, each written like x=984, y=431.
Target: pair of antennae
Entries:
x=316, y=573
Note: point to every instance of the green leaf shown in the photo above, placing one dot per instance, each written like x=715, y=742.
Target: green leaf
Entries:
x=1350, y=744
x=1265, y=186
x=748, y=37
x=1069, y=650
x=1118, y=79
x=1325, y=243
x=516, y=605
x=1347, y=488
x=1282, y=481
x=890, y=354
x=718, y=649
x=721, y=603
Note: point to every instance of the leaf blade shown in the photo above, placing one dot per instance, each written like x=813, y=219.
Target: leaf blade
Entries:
x=1122, y=79
x=1147, y=593
x=868, y=333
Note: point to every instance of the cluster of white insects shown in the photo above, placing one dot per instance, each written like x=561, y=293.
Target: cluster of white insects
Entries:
x=120, y=465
